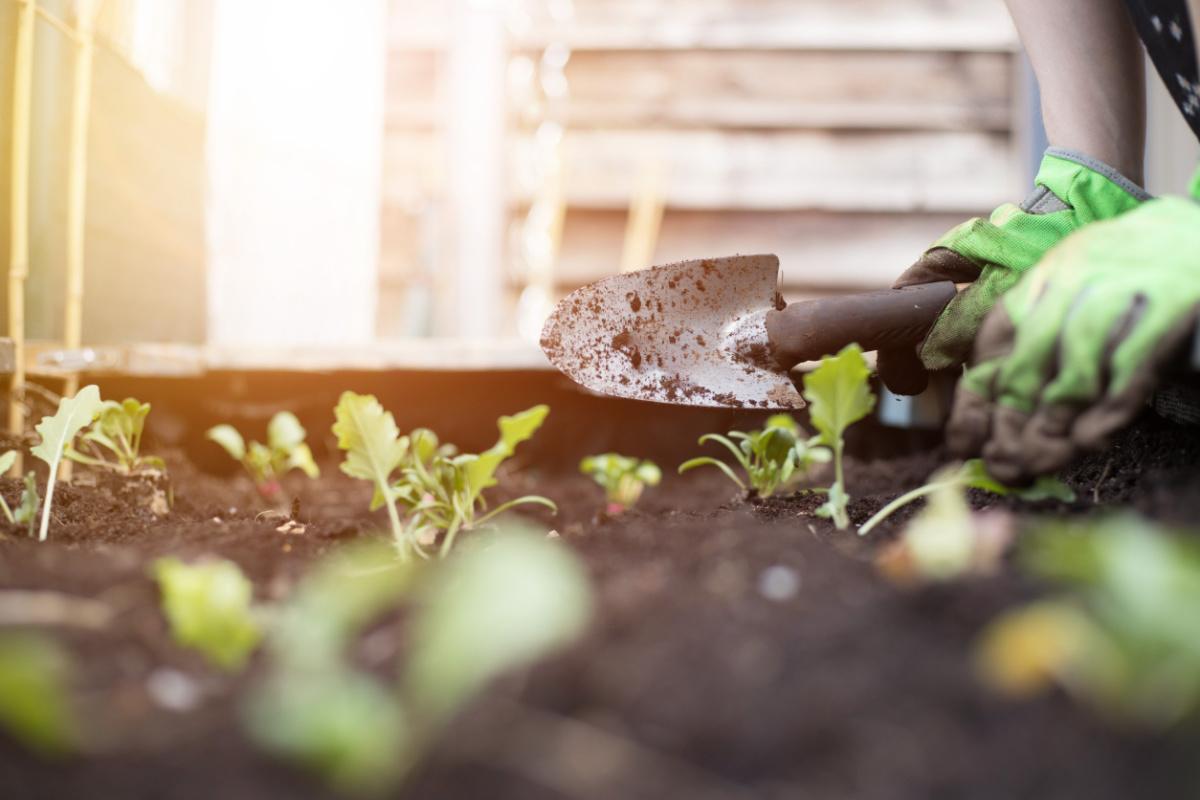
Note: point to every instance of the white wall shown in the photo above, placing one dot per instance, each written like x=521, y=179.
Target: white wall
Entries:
x=295, y=158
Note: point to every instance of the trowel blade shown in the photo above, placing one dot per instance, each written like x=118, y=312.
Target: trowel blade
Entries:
x=691, y=333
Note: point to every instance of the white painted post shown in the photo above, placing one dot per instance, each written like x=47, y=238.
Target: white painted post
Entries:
x=295, y=148
x=475, y=138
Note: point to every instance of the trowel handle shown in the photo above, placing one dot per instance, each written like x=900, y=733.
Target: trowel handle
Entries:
x=891, y=318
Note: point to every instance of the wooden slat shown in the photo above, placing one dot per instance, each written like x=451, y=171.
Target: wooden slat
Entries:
x=747, y=89
x=818, y=251
x=749, y=170
x=787, y=170
x=412, y=86
x=737, y=24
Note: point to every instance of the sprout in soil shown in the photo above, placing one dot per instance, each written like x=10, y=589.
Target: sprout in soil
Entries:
x=772, y=457
x=946, y=541
x=973, y=475
x=117, y=433
x=1122, y=637
x=485, y=611
x=623, y=478
x=284, y=451
x=34, y=701
x=208, y=606
x=26, y=511
x=838, y=396
x=442, y=490
x=439, y=490
x=57, y=432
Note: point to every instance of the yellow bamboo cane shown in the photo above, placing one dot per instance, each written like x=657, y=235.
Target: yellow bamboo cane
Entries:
x=18, y=265
x=81, y=103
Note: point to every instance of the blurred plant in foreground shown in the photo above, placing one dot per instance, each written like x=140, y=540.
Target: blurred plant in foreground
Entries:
x=34, y=704
x=495, y=605
x=1125, y=636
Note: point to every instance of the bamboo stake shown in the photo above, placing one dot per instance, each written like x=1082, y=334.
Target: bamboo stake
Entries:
x=645, y=218
x=81, y=102
x=18, y=265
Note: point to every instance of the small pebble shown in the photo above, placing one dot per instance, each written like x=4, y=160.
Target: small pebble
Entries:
x=779, y=583
x=173, y=690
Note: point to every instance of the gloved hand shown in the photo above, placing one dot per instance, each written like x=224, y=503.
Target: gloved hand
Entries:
x=1075, y=349
x=1072, y=191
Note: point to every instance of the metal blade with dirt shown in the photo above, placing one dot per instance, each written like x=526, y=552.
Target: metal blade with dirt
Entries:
x=716, y=332
x=692, y=333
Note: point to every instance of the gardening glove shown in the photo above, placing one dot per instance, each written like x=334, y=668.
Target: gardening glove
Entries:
x=1072, y=190
x=1073, y=352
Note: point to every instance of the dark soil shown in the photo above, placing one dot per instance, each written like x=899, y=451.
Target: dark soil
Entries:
x=739, y=649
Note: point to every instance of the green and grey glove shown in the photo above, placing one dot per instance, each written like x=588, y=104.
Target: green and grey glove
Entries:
x=1073, y=352
x=1072, y=190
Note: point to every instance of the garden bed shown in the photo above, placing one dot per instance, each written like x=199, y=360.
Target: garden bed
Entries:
x=738, y=649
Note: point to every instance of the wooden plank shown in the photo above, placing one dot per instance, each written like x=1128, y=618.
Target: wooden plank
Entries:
x=819, y=252
x=835, y=171
x=412, y=84
x=774, y=89
x=735, y=24
x=787, y=170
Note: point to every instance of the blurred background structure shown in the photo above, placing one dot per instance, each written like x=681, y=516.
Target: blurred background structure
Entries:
x=316, y=177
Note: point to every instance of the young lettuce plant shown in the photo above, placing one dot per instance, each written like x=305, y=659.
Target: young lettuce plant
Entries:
x=117, y=433
x=1123, y=636
x=484, y=611
x=442, y=492
x=973, y=475
x=622, y=478
x=838, y=396
x=374, y=450
x=26, y=511
x=772, y=457
x=57, y=432
x=284, y=451
x=208, y=606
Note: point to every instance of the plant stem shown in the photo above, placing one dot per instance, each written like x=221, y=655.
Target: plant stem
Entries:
x=50, y=481
x=902, y=501
x=398, y=532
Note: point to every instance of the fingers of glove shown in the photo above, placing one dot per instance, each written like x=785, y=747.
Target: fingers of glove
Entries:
x=938, y=264
x=1096, y=322
x=1138, y=362
x=970, y=422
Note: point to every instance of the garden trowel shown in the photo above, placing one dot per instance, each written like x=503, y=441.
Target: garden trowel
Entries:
x=716, y=332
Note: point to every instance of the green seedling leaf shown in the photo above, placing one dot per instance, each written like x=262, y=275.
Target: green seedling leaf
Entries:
x=57, y=432
x=230, y=440
x=622, y=478
x=374, y=450
x=6, y=462
x=494, y=607
x=480, y=472
x=838, y=396
x=117, y=433
x=1121, y=637
x=26, y=513
x=773, y=457
x=34, y=703
x=284, y=432
x=208, y=606
x=313, y=707
x=974, y=475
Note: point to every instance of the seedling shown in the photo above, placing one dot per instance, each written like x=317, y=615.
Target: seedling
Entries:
x=442, y=492
x=973, y=475
x=1124, y=636
x=57, y=432
x=946, y=540
x=772, y=457
x=838, y=396
x=34, y=703
x=116, y=434
x=485, y=611
x=622, y=478
x=208, y=606
x=284, y=451
x=374, y=451
x=26, y=511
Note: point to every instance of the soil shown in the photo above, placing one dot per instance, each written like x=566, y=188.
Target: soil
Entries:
x=739, y=649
